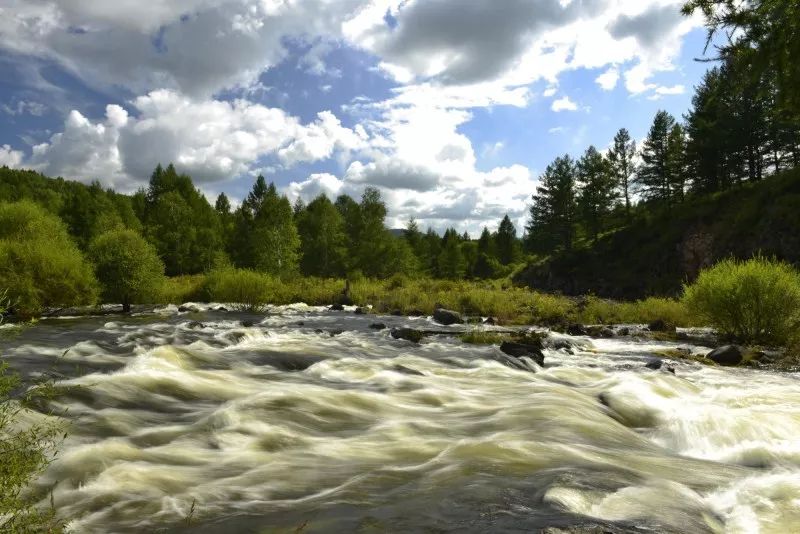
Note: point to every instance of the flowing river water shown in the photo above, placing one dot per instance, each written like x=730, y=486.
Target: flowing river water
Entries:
x=289, y=425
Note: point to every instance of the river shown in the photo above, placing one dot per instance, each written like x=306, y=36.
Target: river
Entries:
x=289, y=425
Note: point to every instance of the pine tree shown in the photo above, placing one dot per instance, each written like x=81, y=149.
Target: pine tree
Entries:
x=676, y=162
x=451, y=261
x=552, y=215
x=597, y=190
x=506, y=242
x=621, y=159
x=652, y=178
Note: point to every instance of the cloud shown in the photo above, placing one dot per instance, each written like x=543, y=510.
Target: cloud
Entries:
x=564, y=104
x=392, y=174
x=315, y=185
x=649, y=27
x=22, y=107
x=661, y=91
x=210, y=139
x=9, y=157
x=608, y=80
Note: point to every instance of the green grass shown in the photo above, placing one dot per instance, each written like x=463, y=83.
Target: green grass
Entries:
x=482, y=337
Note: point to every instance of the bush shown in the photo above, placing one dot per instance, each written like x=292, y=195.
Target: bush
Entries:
x=244, y=289
x=755, y=301
x=127, y=267
x=39, y=264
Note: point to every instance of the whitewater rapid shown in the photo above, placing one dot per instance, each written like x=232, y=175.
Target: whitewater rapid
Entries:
x=309, y=419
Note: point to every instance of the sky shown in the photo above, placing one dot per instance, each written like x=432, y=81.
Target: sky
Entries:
x=452, y=108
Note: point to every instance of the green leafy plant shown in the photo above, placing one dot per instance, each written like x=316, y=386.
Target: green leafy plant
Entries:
x=755, y=301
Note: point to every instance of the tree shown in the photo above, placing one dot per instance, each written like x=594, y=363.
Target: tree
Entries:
x=451, y=263
x=764, y=33
x=40, y=265
x=486, y=264
x=621, y=160
x=652, y=178
x=127, y=267
x=597, y=191
x=676, y=162
x=552, y=215
x=506, y=242
x=274, y=243
x=323, y=241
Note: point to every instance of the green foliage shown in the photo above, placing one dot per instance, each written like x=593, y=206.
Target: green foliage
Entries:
x=481, y=337
x=127, y=267
x=39, y=263
x=451, y=262
x=597, y=190
x=621, y=163
x=245, y=289
x=552, y=215
x=323, y=241
x=652, y=177
x=754, y=301
x=505, y=242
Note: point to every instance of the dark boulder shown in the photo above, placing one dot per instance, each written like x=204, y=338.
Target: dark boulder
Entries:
x=559, y=344
x=396, y=313
x=188, y=308
x=447, y=317
x=576, y=329
x=361, y=310
x=409, y=334
x=416, y=313
x=624, y=331
x=490, y=321
x=335, y=332
x=600, y=331
x=247, y=323
x=220, y=309
x=407, y=370
x=660, y=325
x=195, y=324
x=378, y=326
x=658, y=364
x=336, y=307
x=522, y=350
x=727, y=355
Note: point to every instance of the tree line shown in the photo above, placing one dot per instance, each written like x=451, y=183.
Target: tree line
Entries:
x=266, y=233
x=738, y=130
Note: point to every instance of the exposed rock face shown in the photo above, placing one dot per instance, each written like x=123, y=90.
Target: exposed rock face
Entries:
x=409, y=334
x=447, y=317
x=522, y=350
x=727, y=355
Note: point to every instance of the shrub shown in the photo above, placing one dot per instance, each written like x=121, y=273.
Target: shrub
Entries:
x=127, y=267
x=244, y=289
x=39, y=263
x=756, y=301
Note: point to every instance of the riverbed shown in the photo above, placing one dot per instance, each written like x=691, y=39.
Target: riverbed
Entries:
x=302, y=419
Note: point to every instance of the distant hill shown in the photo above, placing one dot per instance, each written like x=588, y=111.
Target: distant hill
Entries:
x=660, y=249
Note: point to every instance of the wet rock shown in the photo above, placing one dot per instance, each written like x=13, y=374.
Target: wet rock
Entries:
x=490, y=321
x=188, y=308
x=361, y=310
x=220, y=309
x=523, y=350
x=335, y=332
x=660, y=325
x=288, y=362
x=195, y=324
x=524, y=363
x=624, y=331
x=336, y=307
x=396, y=313
x=559, y=344
x=600, y=331
x=247, y=323
x=378, y=326
x=300, y=323
x=657, y=364
x=576, y=329
x=726, y=355
x=407, y=370
x=447, y=317
x=409, y=334
x=416, y=313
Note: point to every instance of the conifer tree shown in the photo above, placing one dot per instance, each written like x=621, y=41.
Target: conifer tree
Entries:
x=597, y=190
x=652, y=179
x=552, y=215
x=621, y=159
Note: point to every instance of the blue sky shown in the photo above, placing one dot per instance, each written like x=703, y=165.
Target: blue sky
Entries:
x=451, y=107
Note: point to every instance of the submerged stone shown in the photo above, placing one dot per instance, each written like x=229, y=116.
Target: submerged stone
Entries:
x=576, y=329
x=378, y=326
x=447, y=317
x=336, y=307
x=522, y=350
x=409, y=334
x=658, y=364
x=727, y=355
x=660, y=325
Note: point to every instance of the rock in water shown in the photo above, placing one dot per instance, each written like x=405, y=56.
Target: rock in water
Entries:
x=377, y=326
x=447, y=317
x=727, y=355
x=361, y=310
x=657, y=364
x=336, y=307
x=576, y=329
x=409, y=334
x=521, y=350
x=660, y=325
